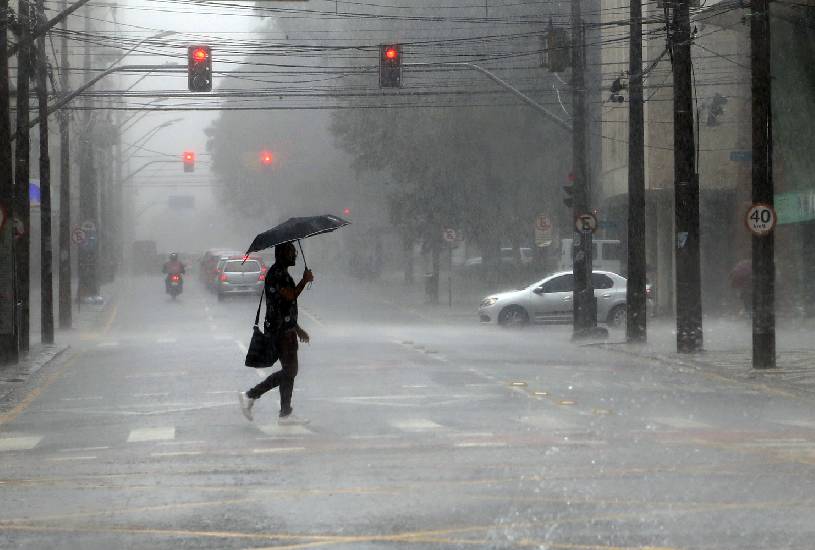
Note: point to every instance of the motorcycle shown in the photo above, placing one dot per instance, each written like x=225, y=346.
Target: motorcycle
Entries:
x=175, y=285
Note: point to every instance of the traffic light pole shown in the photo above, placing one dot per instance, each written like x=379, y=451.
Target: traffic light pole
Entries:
x=686, y=188
x=585, y=307
x=763, y=192
x=636, y=312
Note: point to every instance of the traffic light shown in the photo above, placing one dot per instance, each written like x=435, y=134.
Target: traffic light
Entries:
x=557, y=50
x=199, y=68
x=266, y=158
x=568, y=200
x=390, y=66
x=346, y=211
x=189, y=161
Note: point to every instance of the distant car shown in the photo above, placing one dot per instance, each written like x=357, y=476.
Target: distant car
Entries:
x=507, y=258
x=208, y=263
x=550, y=301
x=236, y=276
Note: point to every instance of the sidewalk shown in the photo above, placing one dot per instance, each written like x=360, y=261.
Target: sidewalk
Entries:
x=85, y=319
x=728, y=351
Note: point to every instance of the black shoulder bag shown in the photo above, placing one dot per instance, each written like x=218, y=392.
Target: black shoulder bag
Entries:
x=262, y=351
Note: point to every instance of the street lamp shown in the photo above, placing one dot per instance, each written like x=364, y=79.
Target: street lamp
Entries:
x=149, y=134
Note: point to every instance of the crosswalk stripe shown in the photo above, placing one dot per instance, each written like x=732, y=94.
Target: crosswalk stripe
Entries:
x=276, y=430
x=415, y=425
x=140, y=435
x=681, y=423
x=21, y=443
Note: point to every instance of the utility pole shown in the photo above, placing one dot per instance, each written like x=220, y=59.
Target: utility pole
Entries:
x=9, y=350
x=763, y=192
x=635, y=287
x=22, y=201
x=65, y=305
x=46, y=239
x=88, y=196
x=584, y=305
x=686, y=188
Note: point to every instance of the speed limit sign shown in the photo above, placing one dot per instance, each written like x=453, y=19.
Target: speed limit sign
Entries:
x=761, y=219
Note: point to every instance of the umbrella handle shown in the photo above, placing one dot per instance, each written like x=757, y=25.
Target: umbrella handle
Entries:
x=305, y=264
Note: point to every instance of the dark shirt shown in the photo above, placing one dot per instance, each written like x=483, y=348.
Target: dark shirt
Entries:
x=281, y=314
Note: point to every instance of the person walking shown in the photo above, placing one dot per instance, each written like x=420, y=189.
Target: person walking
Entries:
x=281, y=324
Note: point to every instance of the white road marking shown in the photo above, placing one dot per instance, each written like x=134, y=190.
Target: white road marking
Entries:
x=157, y=374
x=279, y=450
x=241, y=346
x=479, y=444
x=798, y=423
x=277, y=430
x=220, y=392
x=414, y=386
x=166, y=341
x=66, y=458
x=416, y=425
x=151, y=434
x=162, y=394
x=473, y=434
x=548, y=422
x=179, y=443
x=83, y=449
x=92, y=398
x=22, y=443
x=681, y=423
x=176, y=453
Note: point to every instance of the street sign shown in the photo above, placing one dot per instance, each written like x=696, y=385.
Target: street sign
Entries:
x=543, y=230
x=450, y=235
x=88, y=226
x=586, y=223
x=78, y=236
x=761, y=219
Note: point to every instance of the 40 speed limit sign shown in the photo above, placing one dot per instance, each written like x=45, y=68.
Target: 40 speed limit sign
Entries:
x=761, y=219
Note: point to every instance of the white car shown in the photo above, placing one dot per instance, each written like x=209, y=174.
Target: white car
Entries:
x=550, y=301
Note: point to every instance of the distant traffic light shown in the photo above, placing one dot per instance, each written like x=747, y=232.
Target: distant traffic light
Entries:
x=390, y=66
x=558, y=52
x=199, y=68
x=266, y=158
x=189, y=161
x=568, y=200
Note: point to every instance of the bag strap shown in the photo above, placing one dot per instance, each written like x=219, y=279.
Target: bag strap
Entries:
x=257, y=315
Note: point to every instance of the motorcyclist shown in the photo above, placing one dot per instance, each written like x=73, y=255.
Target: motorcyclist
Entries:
x=173, y=266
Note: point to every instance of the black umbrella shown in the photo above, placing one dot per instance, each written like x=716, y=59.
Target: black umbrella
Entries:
x=296, y=229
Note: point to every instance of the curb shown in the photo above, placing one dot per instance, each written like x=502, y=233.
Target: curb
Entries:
x=16, y=376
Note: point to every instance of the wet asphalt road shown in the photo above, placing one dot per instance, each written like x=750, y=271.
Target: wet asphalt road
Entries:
x=424, y=434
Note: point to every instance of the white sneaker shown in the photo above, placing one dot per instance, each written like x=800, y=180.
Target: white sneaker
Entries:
x=292, y=420
x=246, y=404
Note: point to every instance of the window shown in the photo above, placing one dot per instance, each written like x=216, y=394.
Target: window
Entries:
x=600, y=281
x=564, y=283
x=237, y=266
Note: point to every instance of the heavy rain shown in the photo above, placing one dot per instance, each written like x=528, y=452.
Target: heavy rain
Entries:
x=409, y=274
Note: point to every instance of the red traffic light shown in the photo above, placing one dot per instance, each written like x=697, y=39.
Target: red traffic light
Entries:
x=391, y=53
x=346, y=211
x=200, y=54
x=266, y=158
x=189, y=157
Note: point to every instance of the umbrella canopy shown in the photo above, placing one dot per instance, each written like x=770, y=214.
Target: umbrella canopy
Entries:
x=296, y=229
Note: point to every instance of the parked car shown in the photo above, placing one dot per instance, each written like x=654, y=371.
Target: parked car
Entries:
x=238, y=276
x=550, y=301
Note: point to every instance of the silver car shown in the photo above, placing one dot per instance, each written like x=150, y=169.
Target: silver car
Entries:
x=550, y=301
x=234, y=276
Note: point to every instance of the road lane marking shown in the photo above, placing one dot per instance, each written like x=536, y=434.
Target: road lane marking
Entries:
x=681, y=423
x=278, y=430
x=273, y=450
x=140, y=435
x=311, y=317
x=92, y=398
x=67, y=458
x=416, y=425
x=83, y=449
x=21, y=443
x=160, y=394
x=480, y=444
x=175, y=453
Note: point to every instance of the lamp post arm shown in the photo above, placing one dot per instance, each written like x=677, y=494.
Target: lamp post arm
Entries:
x=504, y=84
x=71, y=96
x=145, y=165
